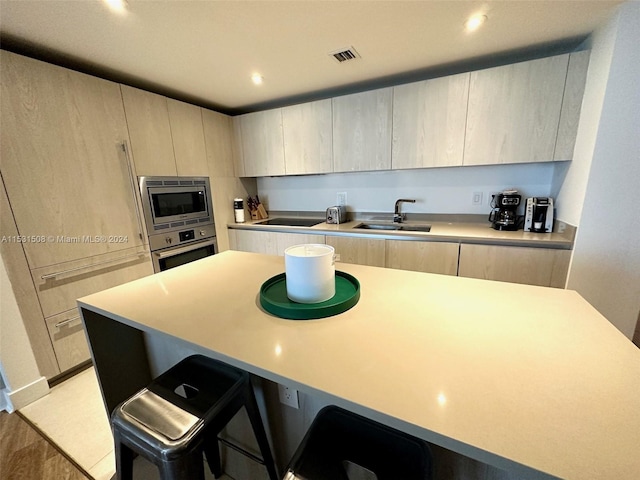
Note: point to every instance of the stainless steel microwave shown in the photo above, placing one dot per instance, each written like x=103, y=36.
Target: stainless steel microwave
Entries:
x=173, y=203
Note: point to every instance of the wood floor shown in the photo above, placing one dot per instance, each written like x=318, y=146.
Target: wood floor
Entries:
x=27, y=455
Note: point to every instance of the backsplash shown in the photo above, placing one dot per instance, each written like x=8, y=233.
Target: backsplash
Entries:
x=436, y=190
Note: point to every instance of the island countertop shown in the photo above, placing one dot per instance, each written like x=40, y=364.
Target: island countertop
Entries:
x=529, y=379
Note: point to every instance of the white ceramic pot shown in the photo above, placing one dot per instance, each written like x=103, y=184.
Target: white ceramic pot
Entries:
x=310, y=273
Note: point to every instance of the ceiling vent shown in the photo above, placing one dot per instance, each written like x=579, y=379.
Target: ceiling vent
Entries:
x=345, y=54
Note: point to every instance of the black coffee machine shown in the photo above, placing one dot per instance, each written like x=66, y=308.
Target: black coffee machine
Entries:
x=504, y=214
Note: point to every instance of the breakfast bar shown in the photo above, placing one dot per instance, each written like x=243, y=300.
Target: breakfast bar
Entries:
x=549, y=390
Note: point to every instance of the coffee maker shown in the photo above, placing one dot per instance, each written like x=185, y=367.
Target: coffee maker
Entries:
x=504, y=214
x=539, y=215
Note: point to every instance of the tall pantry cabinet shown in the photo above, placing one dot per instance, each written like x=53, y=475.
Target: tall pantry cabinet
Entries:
x=71, y=190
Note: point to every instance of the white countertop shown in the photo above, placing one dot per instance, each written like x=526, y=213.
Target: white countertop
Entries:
x=451, y=231
x=530, y=379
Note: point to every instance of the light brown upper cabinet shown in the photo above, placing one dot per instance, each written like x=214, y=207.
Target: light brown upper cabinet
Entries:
x=571, y=105
x=64, y=169
x=308, y=138
x=150, y=132
x=429, y=122
x=262, y=143
x=188, y=138
x=362, y=131
x=514, y=112
x=219, y=143
x=167, y=136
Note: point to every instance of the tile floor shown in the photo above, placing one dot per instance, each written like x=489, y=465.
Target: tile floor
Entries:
x=74, y=418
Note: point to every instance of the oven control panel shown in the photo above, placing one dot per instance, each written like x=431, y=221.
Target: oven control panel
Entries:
x=161, y=241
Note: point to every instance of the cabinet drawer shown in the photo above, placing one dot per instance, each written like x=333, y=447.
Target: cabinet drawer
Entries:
x=68, y=339
x=430, y=257
x=269, y=243
x=362, y=251
x=534, y=266
x=58, y=286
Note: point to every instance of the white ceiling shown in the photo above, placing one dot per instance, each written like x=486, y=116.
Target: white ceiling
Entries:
x=207, y=50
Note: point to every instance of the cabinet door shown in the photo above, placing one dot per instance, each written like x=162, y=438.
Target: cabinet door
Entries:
x=218, y=140
x=430, y=257
x=188, y=139
x=362, y=251
x=571, y=105
x=58, y=286
x=150, y=132
x=429, y=119
x=514, y=112
x=308, y=138
x=270, y=243
x=533, y=266
x=67, y=180
x=262, y=143
x=362, y=131
x=68, y=339
x=236, y=146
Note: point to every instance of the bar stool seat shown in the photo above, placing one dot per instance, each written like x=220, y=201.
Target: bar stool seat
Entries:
x=179, y=415
x=341, y=445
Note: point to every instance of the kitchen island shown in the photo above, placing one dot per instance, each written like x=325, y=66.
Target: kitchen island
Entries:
x=529, y=379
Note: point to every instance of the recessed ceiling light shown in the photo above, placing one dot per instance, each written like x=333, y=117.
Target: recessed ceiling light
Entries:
x=474, y=22
x=118, y=6
x=257, y=78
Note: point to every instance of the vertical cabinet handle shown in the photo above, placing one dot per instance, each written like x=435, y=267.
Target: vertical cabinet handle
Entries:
x=133, y=183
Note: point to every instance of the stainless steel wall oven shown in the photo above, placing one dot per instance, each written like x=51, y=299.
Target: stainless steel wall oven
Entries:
x=178, y=214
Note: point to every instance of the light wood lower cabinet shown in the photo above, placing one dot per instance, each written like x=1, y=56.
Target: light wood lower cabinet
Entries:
x=533, y=266
x=430, y=257
x=68, y=339
x=58, y=286
x=362, y=251
x=270, y=243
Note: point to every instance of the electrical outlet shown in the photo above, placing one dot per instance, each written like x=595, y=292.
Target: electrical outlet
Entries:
x=477, y=198
x=341, y=198
x=288, y=396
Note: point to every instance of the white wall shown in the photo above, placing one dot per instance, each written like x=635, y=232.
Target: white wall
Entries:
x=571, y=178
x=21, y=382
x=605, y=267
x=437, y=190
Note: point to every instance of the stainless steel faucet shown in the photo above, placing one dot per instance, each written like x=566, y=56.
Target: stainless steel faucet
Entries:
x=397, y=216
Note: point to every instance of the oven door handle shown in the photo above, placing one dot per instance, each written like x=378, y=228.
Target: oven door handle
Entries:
x=170, y=252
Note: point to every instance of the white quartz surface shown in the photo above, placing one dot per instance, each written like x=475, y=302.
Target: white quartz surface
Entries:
x=530, y=379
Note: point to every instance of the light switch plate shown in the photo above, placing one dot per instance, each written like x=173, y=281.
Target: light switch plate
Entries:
x=341, y=198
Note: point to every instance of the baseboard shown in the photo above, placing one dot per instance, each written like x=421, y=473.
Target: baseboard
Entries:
x=27, y=394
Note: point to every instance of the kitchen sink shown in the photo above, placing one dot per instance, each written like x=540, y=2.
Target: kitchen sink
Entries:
x=394, y=227
x=292, y=222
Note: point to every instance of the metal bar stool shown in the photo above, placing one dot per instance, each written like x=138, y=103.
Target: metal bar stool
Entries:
x=341, y=445
x=179, y=415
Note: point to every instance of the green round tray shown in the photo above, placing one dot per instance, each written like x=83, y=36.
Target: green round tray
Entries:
x=273, y=298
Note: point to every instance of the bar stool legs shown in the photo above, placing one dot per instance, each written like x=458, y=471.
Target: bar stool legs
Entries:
x=179, y=416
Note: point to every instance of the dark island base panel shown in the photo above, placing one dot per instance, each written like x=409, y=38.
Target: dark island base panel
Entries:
x=120, y=358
